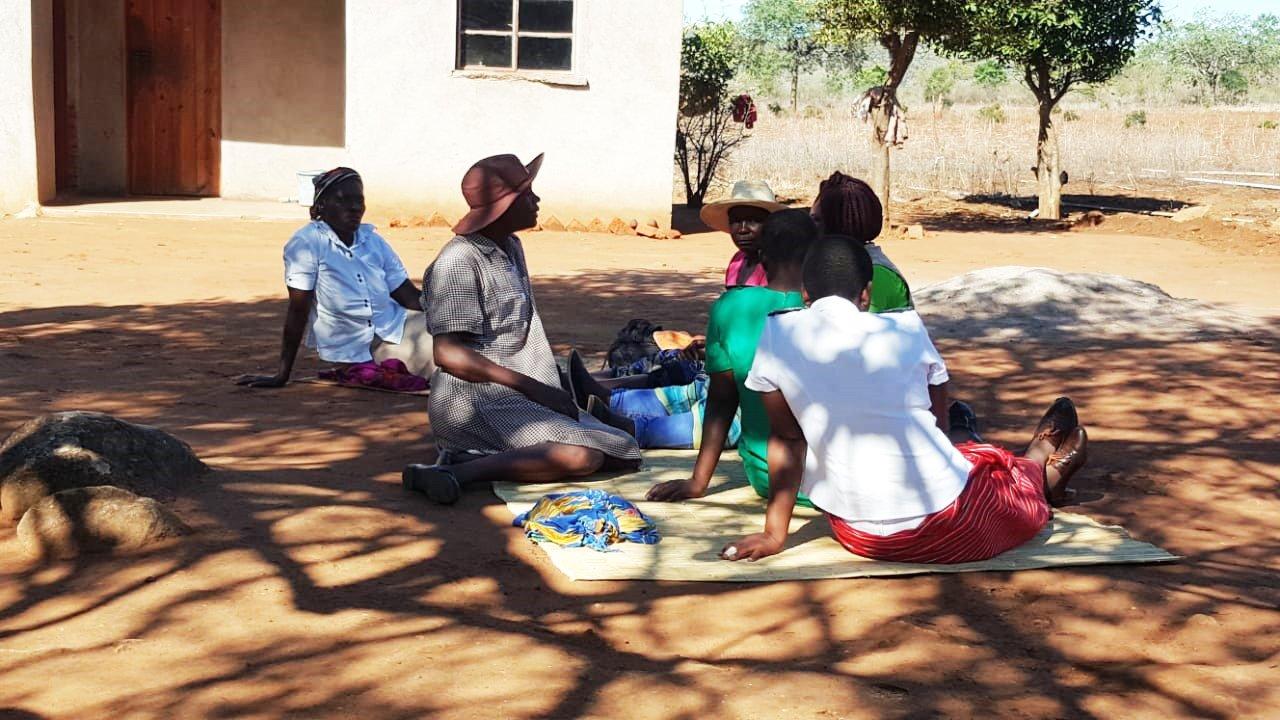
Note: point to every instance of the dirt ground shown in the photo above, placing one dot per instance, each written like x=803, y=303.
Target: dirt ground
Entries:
x=314, y=587
x=1238, y=221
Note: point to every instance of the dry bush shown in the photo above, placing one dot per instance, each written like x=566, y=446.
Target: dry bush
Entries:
x=958, y=151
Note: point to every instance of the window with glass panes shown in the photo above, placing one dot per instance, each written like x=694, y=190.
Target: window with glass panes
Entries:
x=515, y=34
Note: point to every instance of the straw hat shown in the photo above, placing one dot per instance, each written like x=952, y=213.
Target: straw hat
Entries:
x=490, y=186
x=749, y=193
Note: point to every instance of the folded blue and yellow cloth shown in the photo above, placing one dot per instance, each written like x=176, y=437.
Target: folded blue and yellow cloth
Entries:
x=586, y=518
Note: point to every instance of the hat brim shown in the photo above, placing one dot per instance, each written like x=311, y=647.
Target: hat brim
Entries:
x=485, y=215
x=716, y=215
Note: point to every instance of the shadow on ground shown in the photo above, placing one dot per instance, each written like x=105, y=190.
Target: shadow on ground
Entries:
x=315, y=587
x=980, y=214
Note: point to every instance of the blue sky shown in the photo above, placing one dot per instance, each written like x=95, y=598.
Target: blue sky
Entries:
x=1178, y=10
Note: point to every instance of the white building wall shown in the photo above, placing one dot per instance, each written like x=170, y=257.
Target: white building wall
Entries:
x=25, y=98
x=283, y=93
x=309, y=84
x=414, y=124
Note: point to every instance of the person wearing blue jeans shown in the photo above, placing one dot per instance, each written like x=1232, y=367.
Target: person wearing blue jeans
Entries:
x=661, y=417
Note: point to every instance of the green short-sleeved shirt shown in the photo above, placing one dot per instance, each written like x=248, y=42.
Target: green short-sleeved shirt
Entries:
x=888, y=290
x=737, y=320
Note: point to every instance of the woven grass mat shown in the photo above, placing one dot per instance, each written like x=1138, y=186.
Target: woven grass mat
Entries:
x=334, y=383
x=694, y=531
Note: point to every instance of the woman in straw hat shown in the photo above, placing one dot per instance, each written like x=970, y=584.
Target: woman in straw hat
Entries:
x=497, y=407
x=348, y=287
x=742, y=215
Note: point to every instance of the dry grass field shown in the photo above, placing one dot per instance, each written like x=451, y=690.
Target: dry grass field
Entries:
x=959, y=151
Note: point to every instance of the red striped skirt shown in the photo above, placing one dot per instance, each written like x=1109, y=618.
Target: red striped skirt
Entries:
x=1001, y=507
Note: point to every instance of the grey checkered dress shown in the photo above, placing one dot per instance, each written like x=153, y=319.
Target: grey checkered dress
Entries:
x=474, y=288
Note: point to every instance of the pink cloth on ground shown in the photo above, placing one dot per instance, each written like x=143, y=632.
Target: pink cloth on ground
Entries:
x=757, y=278
x=390, y=374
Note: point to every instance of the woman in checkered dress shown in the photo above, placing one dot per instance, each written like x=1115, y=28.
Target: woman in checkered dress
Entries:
x=497, y=408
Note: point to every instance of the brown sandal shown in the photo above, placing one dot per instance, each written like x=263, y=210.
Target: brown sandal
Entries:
x=1070, y=456
x=1056, y=424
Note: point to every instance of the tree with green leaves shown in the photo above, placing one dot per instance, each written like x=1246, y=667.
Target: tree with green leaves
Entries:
x=1222, y=53
x=705, y=131
x=939, y=85
x=782, y=37
x=1058, y=44
x=899, y=26
x=871, y=76
x=710, y=55
x=989, y=74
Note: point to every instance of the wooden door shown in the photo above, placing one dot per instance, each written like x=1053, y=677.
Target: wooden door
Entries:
x=64, y=111
x=174, y=96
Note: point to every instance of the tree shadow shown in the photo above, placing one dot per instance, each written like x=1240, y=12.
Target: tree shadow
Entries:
x=981, y=214
x=314, y=586
x=1129, y=203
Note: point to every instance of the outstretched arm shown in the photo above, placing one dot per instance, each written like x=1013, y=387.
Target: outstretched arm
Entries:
x=722, y=405
x=787, y=449
x=454, y=357
x=295, y=326
x=408, y=296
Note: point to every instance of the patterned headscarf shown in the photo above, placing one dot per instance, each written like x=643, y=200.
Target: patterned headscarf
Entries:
x=324, y=181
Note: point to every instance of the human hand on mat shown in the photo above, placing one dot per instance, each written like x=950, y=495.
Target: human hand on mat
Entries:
x=673, y=490
x=262, y=381
x=553, y=399
x=752, y=547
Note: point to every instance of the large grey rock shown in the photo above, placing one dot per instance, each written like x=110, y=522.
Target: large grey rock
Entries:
x=94, y=519
x=81, y=449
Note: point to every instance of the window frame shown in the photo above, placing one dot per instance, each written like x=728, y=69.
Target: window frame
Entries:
x=572, y=77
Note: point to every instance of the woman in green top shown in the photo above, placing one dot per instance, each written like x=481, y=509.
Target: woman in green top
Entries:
x=848, y=206
x=737, y=319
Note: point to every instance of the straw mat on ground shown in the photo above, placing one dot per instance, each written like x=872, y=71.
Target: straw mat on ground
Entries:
x=694, y=531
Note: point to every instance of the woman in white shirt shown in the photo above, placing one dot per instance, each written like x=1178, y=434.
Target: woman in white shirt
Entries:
x=349, y=286
x=854, y=402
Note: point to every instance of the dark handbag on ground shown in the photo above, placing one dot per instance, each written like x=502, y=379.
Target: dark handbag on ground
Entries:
x=633, y=344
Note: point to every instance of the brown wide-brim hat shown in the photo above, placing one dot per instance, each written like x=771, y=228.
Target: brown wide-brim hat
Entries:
x=490, y=186
x=745, y=193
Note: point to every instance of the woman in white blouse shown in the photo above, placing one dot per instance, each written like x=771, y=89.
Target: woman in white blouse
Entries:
x=349, y=286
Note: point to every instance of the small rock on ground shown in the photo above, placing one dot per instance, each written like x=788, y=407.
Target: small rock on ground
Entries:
x=1193, y=212
x=96, y=519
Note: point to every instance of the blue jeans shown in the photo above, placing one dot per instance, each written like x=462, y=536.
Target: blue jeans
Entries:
x=669, y=400
x=669, y=417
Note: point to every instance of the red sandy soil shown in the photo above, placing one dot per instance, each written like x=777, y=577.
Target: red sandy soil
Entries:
x=314, y=587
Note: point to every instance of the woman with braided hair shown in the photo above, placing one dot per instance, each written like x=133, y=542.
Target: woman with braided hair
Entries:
x=848, y=206
x=348, y=288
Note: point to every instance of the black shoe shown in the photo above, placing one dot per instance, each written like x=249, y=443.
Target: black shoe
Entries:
x=566, y=384
x=601, y=412
x=437, y=482
x=578, y=375
x=964, y=420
